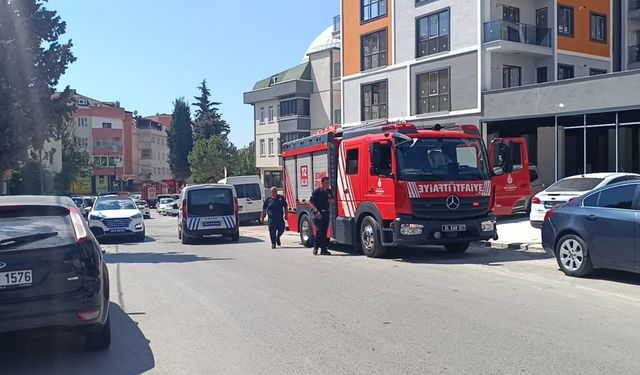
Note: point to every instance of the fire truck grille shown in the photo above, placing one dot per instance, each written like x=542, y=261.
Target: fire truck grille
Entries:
x=436, y=208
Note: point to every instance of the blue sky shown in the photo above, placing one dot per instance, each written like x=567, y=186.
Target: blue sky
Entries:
x=146, y=53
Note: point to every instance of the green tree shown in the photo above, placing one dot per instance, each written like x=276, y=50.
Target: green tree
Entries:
x=76, y=162
x=180, y=140
x=31, y=178
x=31, y=63
x=208, y=121
x=210, y=157
x=245, y=161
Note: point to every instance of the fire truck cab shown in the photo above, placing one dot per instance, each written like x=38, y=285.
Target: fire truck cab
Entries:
x=394, y=185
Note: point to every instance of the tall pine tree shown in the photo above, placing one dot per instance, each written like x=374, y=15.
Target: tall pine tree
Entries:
x=180, y=140
x=32, y=59
x=208, y=121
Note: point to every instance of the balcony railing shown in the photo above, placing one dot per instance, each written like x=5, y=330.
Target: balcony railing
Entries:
x=634, y=4
x=634, y=54
x=517, y=32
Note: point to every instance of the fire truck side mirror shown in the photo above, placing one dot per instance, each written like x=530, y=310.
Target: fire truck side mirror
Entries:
x=498, y=171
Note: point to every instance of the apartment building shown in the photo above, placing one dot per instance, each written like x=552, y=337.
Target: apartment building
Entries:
x=105, y=130
x=513, y=67
x=296, y=102
x=150, y=155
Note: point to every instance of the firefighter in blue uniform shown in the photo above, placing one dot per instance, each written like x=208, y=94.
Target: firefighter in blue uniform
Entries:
x=321, y=206
x=275, y=208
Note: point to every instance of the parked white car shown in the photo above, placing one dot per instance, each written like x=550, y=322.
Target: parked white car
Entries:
x=250, y=196
x=115, y=215
x=571, y=187
x=144, y=208
x=164, y=204
x=173, y=208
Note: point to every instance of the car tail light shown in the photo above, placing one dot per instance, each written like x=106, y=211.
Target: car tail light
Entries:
x=79, y=227
x=236, y=206
x=184, y=209
x=89, y=315
x=548, y=215
x=536, y=200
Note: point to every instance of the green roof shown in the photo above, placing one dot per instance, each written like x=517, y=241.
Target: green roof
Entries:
x=302, y=71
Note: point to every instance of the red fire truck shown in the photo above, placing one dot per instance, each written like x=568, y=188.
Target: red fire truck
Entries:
x=397, y=185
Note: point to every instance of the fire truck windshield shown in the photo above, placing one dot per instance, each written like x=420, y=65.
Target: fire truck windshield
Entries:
x=443, y=159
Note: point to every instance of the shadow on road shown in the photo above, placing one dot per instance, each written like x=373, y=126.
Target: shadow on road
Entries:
x=616, y=276
x=64, y=353
x=519, y=218
x=123, y=241
x=224, y=241
x=156, y=258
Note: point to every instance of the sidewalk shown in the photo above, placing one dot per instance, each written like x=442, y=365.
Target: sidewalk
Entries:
x=516, y=233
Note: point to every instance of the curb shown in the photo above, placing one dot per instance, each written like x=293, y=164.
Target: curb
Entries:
x=523, y=247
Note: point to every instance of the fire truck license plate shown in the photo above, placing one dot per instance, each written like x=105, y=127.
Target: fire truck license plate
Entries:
x=454, y=228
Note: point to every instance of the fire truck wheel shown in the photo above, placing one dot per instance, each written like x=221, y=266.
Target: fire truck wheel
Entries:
x=370, y=239
x=458, y=247
x=306, y=231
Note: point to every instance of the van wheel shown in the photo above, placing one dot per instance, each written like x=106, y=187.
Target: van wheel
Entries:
x=306, y=231
x=457, y=247
x=100, y=339
x=185, y=240
x=370, y=239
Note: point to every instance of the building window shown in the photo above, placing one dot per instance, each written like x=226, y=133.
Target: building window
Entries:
x=294, y=107
x=541, y=74
x=374, y=101
x=273, y=80
x=270, y=146
x=595, y=72
x=374, y=50
x=83, y=122
x=106, y=125
x=433, y=91
x=511, y=14
x=565, y=71
x=371, y=9
x=99, y=143
x=270, y=113
x=352, y=161
x=83, y=142
x=433, y=34
x=511, y=76
x=565, y=20
x=336, y=70
x=279, y=146
x=145, y=154
x=337, y=116
x=598, y=28
x=262, y=115
x=262, y=147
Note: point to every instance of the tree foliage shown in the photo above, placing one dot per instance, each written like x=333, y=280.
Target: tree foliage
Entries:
x=31, y=178
x=31, y=63
x=180, y=140
x=245, y=161
x=210, y=157
x=208, y=120
x=76, y=161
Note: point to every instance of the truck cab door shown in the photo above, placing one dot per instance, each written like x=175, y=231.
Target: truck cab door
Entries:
x=380, y=180
x=512, y=184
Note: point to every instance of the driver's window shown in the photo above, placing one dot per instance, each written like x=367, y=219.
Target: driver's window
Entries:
x=385, y=160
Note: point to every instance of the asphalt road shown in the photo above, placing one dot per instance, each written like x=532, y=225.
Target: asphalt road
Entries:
x=223, y=308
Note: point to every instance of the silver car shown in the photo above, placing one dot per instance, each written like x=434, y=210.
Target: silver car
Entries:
x=143, y=206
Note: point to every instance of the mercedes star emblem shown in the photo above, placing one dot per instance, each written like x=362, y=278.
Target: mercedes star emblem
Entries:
x=453, y=202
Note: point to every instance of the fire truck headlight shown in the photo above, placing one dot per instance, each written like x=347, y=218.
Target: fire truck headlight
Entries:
x=488, y=226
x=411, y=229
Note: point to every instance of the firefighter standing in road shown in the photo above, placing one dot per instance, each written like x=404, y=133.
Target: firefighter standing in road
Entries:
x=275, y=207
x=321, y=206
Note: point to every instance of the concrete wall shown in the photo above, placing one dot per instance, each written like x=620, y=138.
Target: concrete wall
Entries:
x=397, y=94
x=322, y=101
x=463, y=78
x=462, y=30
x=583, y=64
x=266, y=127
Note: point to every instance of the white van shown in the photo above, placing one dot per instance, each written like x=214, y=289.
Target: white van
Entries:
x=250, y=196
x=209, y=210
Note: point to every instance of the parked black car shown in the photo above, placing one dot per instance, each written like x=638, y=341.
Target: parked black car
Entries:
x=597, y=230
x=52, y=271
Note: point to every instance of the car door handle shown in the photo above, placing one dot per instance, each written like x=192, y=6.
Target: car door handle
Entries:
x=592, y=218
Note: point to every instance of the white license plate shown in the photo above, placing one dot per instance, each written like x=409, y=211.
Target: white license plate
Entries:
x=454, y=228
x=117, y=230
x=211, y=224
x=15, y=278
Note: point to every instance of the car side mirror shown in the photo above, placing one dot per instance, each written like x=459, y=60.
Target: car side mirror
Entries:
x=498, y=171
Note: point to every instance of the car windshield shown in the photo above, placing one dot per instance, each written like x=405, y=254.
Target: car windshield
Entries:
x=166, y=200
x=141, y=203
x=210, y=202
x=115, y=204
x=575, y=184
x=450, y=159
x=78, y=201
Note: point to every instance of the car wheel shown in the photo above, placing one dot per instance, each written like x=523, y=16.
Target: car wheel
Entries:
x=101, y=339
x=185, y=239
x=457, y=247
x=141, y=236
x=306, y=231
x=370, y=239
x=235, y=237
x=573, y=256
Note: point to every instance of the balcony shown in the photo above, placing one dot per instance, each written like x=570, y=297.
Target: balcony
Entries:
x=510, y=37
x=634, y=57
x=634, y=8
